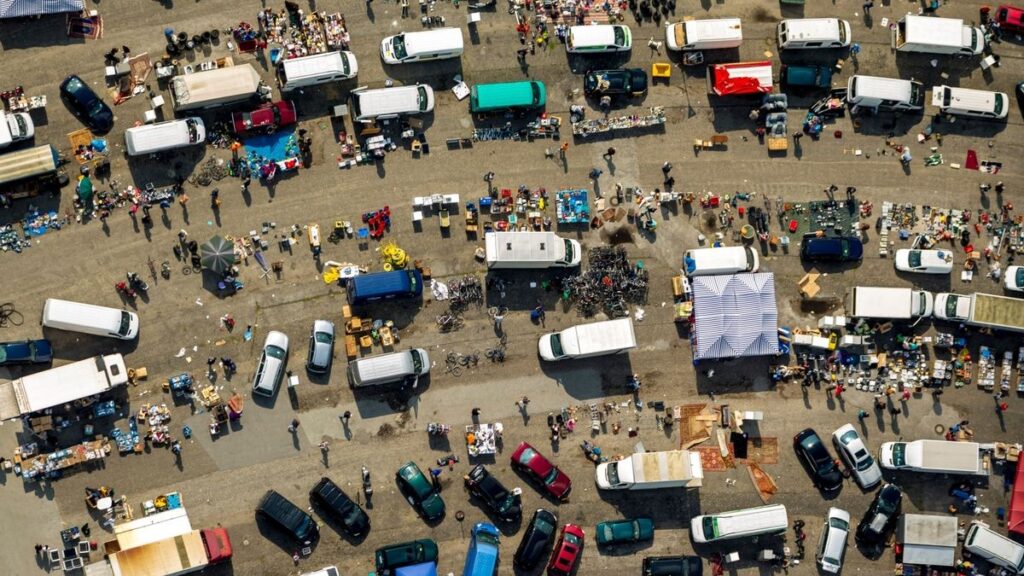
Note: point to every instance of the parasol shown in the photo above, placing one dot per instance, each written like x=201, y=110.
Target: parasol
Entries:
x=218, y=254
x=84, y=189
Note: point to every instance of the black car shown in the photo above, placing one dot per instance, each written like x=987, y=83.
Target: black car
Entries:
x=881, y=516
x=288, y=517
x=672, y=566
x=819, y=460
x=831, y=249
x=627, y=82
x=503, y=503
x=336, y=504
x=536, y=541
x=85, y=104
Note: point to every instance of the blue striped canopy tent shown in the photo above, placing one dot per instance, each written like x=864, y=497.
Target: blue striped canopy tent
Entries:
x=20, y=8
x=735, y=316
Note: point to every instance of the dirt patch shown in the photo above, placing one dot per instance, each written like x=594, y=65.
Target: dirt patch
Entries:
x=386, y=430
x=761, y=14
x=620, y=235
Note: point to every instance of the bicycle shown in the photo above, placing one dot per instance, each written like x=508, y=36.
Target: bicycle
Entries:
x=449, y=322
x=451, y=365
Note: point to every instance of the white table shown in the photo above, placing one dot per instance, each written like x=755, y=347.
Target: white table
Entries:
x=157, y=101
x=149, y=116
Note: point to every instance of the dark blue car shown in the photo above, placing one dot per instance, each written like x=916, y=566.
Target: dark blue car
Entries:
x=85, y=104
x=25, y=352
x=831, y=249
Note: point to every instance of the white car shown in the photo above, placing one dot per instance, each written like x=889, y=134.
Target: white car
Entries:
x=855, y=454
x=1013, y=278
x=924, y=261
x=832, y=543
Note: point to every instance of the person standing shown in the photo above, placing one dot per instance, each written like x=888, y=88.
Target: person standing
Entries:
x=294, y=426
x=499, y=316
x=609, y=154
x=868, y=6
x=345, y=418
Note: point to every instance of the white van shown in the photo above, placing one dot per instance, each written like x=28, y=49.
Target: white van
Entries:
x=739, y=524
x=401, y=368
x=994, y=547
x=726, y=260
x=806, y=33
x=316, y=69
x=153, y=138
x=90, y=319
x=437, y=44
x=599, y=38
x=889, y=94
x=388, y=103
x=15, y=127
x=712, y=34
x=967, y=102
x=586, y=340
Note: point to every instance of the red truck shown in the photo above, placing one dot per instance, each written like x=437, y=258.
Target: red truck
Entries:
x=266, y=118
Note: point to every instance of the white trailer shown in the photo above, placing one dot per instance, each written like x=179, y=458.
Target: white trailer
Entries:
x=937, y=36
x=531, y=250
x=985, y=310
x=586, y=340
x=212, y=88
x=650, y=470
x=888, y=303
x=61, y=385
x=165, y=544
x=934, y=456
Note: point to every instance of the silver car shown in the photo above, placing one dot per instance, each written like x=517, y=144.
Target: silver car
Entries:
x=856, y=456
x=272, y=363
x=321, y=347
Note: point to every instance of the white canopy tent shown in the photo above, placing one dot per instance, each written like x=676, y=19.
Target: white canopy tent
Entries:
x=21, y=8
x=735, y=316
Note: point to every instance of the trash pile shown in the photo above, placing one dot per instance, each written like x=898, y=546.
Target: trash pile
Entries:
x=610, y=283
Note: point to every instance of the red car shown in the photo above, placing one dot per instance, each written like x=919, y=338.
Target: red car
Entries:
x=566, y=554
x=268, y=118
x=527, y=460
x=1010, y=18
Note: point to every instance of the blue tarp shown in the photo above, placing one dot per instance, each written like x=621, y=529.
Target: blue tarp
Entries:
x=425, y=569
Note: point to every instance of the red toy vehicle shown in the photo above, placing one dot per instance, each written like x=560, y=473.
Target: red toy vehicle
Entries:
x=267, y=118
x=567, y=552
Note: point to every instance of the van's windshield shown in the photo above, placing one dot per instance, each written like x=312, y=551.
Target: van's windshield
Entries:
x=620, y=36
x=709, y=527
x=417, y=362
x=842, y=32
x=193, y=134
x=421, y=92
x=998, y=104
x=556, y=346
x=916, y=95
x=613, y=474
x=750, y=259
x=345, y=66
x=536, y=93
x=126, y=322
x=398, y=45
x=568, y=252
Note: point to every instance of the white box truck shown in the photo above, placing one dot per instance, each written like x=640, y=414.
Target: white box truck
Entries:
x=937, y=36
x=164, y=544
x=934, y=456
x=61, y=385
x=650, y=470
x=212, y=88
x=531, y=250
x=586, y=340
x=888, y=303
x=984, y=310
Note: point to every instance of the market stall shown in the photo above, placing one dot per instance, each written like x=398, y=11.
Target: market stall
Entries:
x=654, y=117
x=483, y=439
x=32, y=465
x=572, y=206
x=302, y=34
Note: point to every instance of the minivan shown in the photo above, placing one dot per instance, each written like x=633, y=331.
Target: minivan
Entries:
x=832, y=541
x=385, y=286
x=994, y=547
x=288, y=517
x=889, y=94
x=340, y=507
x=507, y=96
x=967, y=102
x=715, y=261
x=271, y=366
x=388, y=103
x=90, y=319
x=316, y=69
x=807, y=33
x=739, y=524
x=396, y=368
x=153, y=138
x=482, y=557
x=437, y=44
x=713, y=34
x=598, y=38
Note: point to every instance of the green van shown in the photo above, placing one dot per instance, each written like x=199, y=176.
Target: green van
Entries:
x=506, y=96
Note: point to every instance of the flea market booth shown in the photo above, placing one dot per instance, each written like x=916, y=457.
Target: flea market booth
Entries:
x=926, y=542
x=734, y=316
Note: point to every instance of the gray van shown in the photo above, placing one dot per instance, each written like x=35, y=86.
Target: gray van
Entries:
x=402, y=368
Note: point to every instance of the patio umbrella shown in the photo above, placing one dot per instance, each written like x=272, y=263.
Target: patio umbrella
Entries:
x=217, y=254
x=84, y=189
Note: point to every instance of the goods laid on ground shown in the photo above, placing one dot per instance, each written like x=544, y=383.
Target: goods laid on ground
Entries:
x=584, y=128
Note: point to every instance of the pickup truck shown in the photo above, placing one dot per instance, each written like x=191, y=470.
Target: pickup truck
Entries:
x=650, y=470
x=267, y=118
x=934, y=456
x=985, y=310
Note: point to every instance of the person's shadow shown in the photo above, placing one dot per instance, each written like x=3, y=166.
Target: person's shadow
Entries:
x=295, y=440
x=369, y=10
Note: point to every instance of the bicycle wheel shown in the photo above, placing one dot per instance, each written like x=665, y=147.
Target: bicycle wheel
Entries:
x=454, y=370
